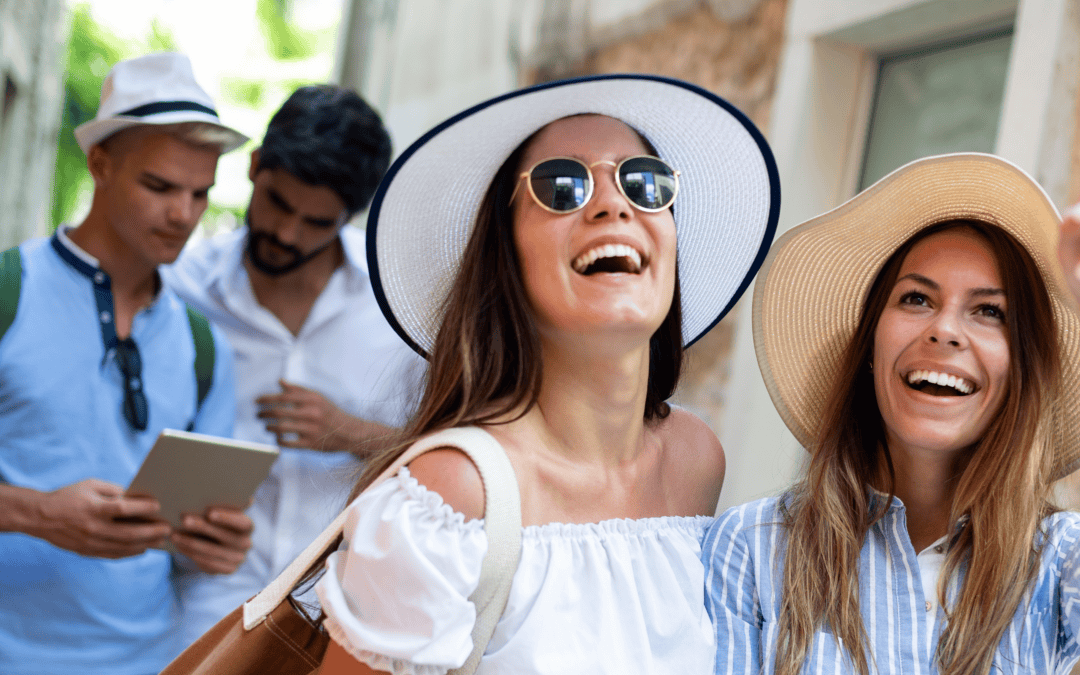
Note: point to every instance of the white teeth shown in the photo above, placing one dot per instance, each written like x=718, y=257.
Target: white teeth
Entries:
x=941, y=379
x=607, y=251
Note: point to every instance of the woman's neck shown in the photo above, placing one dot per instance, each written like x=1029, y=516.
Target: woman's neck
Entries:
x=592, y=402
x=926, y=484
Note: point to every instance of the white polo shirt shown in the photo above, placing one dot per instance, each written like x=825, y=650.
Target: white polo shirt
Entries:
x=345, y=350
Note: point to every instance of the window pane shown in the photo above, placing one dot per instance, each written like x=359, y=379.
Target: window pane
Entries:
x=944, y=99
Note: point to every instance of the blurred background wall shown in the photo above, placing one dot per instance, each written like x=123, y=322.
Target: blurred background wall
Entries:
x=845, y=91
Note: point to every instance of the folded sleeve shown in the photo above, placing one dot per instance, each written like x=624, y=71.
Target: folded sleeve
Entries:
x=396, y=594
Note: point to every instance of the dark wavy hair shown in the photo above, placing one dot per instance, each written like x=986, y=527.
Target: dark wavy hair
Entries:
x=327, y=135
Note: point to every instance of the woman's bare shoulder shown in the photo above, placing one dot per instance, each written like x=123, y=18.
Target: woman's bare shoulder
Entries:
x=450, y=473
x=694, y=454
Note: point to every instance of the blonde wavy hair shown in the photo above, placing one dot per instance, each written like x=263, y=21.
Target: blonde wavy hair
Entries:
x=828, y=514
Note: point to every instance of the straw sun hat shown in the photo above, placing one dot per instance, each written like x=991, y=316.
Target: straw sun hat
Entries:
x=725, y=214
x=816, y=278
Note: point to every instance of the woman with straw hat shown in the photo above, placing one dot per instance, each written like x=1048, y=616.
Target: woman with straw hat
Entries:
x=920, y=342
x=527, y=247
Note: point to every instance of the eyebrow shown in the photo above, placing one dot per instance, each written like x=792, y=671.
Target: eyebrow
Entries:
x=933, y=285
x=147, y=175
x=318, y=221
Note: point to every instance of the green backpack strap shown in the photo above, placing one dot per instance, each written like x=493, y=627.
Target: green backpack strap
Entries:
x=10, y=287
x=204, y=353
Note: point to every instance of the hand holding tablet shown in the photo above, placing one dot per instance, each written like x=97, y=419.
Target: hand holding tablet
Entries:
x=189, y=474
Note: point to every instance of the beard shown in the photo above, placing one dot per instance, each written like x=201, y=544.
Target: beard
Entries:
x=260, y=241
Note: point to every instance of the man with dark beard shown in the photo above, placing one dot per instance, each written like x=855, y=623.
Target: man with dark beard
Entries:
x=319, y=371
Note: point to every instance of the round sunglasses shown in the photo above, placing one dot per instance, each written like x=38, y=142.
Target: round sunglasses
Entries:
x=563, y=185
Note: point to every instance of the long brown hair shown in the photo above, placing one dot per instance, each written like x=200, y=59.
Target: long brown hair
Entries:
x=829, y=513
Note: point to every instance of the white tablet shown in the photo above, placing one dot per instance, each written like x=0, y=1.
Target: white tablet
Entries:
x=188, y=472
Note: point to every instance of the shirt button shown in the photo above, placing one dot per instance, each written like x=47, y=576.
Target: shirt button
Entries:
x=99, y=278
x=106, y=317
x=929, y=605
x=939, y=548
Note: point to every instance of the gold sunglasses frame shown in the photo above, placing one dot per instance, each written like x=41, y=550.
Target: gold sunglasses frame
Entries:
x=592, y=184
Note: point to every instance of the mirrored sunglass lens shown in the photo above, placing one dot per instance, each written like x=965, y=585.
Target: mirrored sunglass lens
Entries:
x=560, y=184
x=648, y=182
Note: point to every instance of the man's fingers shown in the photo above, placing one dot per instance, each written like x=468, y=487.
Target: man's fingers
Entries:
x=131, y=507
x=141, y=534
x=289, y=387
x=103, y=488
x=298, y=427
x=209, y=557
x=235, y=538
x=232, y=519
x=297, y=414
x=273, y=400
x=221, y=552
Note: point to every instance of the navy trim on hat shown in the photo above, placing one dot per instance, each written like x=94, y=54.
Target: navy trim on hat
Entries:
x=166, y=106
x=766, y=155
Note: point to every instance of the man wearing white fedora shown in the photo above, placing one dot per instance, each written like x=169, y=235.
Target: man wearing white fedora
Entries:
x=321, y=372
x=96, y=358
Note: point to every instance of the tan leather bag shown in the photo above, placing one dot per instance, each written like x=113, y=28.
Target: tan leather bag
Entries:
x=268, y=634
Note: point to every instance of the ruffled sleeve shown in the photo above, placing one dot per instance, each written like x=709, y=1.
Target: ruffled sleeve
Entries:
x=396, y=595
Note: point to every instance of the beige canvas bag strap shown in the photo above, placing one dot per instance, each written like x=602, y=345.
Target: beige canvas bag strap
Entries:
x=502, y=526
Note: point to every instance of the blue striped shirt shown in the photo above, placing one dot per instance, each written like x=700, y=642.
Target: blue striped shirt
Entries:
x=743, y=556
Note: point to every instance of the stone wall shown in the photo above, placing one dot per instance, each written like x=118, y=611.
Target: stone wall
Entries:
x=737, y=60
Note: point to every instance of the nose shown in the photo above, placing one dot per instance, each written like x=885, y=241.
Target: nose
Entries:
x=607, y=200
x=946, y=328
x=287, y=229
x=182, y=210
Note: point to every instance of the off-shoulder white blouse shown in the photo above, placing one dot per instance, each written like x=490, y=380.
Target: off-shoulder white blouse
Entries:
x=619, y=596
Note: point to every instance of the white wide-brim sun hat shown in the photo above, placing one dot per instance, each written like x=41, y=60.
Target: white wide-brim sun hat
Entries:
x=725, y=214
x=815, y=280
x=154, y=89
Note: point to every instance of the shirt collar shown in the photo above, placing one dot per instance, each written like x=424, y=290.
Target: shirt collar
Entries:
x=89, y=266
x=80, y=260
x=877, y=497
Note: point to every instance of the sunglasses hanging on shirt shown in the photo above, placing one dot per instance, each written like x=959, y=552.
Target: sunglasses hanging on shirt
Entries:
x=136, y=409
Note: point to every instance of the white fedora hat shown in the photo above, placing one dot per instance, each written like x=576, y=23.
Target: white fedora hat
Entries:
x=153, y=89
x=725, y=215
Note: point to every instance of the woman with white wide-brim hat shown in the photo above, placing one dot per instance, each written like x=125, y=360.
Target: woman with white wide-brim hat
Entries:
x=921, y=343
x=551, y=252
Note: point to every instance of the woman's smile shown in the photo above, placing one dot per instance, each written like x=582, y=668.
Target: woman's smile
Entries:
x=607, y=265
x=941, y=352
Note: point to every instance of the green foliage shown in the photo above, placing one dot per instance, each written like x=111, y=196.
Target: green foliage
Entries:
x=283, y=41
x=244, y=92
x=160, y=39
x=91, y=52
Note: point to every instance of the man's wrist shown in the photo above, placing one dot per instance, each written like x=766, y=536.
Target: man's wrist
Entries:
x=20, y=509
